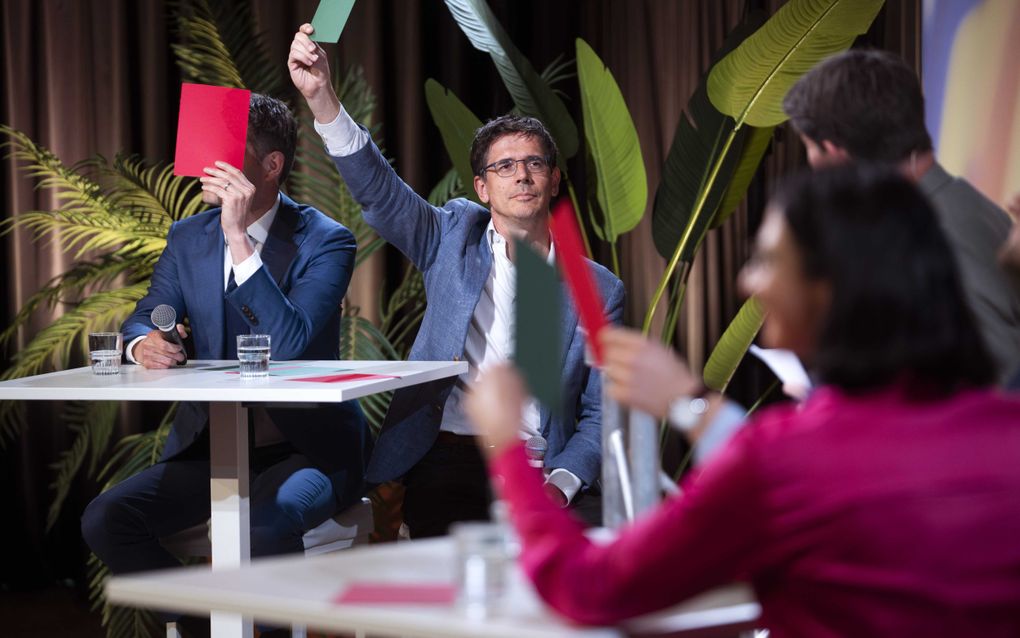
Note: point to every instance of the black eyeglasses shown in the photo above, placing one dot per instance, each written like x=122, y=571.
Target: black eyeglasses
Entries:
x=508, y=167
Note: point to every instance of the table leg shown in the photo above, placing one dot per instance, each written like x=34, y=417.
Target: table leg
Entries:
x=228, y=489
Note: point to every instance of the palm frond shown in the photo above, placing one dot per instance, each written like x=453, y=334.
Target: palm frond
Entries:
x=83, y=277
x=448, y=187
x=356, y=94
x=54, y=343
x=403, y=312
x=120, y=622
x=92, y=422
x=316, y=180
x=360, y=340
x=219, y=46
x=136, y=452
x=75, y=191
x=12, y=420
x=151, y=192
x=84, y=231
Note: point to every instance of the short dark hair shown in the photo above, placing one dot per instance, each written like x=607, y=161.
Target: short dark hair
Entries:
x=509, y=124
x=897, y=312
x=272, y=127
x=868, y=102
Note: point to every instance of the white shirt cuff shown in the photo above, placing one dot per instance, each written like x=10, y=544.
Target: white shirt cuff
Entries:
x=724, y=425
x=342, y=136
x=131, y=346
x=566, y=482
x=244, y=270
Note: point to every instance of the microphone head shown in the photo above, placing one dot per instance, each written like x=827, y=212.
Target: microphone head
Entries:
x=535, y=448
x=164, y=317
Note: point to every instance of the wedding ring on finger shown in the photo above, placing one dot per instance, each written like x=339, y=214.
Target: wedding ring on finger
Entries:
x=226, y=186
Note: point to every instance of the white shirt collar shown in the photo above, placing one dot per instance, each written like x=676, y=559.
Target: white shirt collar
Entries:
x=259, y=229
x=494, y=239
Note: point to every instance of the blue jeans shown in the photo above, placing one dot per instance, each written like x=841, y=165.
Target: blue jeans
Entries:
x=288, y=497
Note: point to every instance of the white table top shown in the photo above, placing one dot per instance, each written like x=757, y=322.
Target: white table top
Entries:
x=302, y=590
x=208, y=381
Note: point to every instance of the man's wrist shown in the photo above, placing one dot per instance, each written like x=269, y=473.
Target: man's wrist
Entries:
x=325, y=105
x=129, y=352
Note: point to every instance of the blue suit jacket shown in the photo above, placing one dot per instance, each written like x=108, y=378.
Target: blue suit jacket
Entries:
x=295, y=297
x=448, y=245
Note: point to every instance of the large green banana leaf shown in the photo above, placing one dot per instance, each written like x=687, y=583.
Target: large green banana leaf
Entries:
x=620, y=181
x=754, y=147
x=733, y=345
x=683, y=199
x=532, y=94
x=457, y=125
x=752, y=80
x=750, y=83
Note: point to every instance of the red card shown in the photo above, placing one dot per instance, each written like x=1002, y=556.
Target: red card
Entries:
x=570, y=255
x=397, y=593
x=353, y=376
x=212, y=125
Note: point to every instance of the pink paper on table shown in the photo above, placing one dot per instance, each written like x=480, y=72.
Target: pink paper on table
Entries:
x=212, y=125
x=570, y=255
x=337, y=378
x=397, y=593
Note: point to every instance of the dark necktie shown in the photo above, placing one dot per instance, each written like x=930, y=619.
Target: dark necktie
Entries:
x=233, y=323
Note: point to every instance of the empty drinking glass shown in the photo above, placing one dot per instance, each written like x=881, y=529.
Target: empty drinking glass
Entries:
x=253, y=356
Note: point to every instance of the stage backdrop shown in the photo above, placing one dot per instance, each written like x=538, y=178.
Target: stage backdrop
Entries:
x=971, y=74
x=97, y=76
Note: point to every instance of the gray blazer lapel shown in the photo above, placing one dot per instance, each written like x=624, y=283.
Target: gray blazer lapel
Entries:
x=283, y=241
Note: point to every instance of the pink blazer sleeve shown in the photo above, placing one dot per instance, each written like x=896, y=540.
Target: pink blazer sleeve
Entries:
x=709, y=536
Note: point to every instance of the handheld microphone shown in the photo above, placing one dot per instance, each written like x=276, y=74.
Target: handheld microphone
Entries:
x=164, y=317
x=534, y=449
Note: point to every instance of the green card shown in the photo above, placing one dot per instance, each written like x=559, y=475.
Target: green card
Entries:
x=539, y=318
x=330, y=18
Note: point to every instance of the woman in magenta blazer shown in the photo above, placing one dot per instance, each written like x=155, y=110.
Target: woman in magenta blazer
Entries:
x=886, y=504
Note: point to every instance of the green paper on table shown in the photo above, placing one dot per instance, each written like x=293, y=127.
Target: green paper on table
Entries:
x=330, y=18
x=539, y=313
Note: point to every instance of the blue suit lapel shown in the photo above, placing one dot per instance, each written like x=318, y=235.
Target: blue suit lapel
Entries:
x=285, y=235
x=208, y=284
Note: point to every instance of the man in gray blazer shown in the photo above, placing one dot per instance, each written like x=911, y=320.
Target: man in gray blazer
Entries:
x=867, y=105
x=465, y=253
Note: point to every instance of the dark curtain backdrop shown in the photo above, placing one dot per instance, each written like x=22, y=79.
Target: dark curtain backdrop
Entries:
x=86, y=77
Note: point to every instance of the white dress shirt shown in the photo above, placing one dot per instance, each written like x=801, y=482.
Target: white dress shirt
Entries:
x=490, y=334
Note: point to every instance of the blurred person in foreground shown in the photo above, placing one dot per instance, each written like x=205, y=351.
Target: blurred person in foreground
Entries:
x=886, y=504
x=867, y=106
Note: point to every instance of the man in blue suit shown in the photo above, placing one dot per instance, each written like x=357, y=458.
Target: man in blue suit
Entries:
x=465, y=253
x=259, y=263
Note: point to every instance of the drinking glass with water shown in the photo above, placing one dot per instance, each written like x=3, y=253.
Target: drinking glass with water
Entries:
x=105, y=351
x=483, y=560
x=253, y=356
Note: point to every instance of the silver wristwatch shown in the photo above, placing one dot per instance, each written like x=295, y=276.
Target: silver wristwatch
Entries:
x=685, y=412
